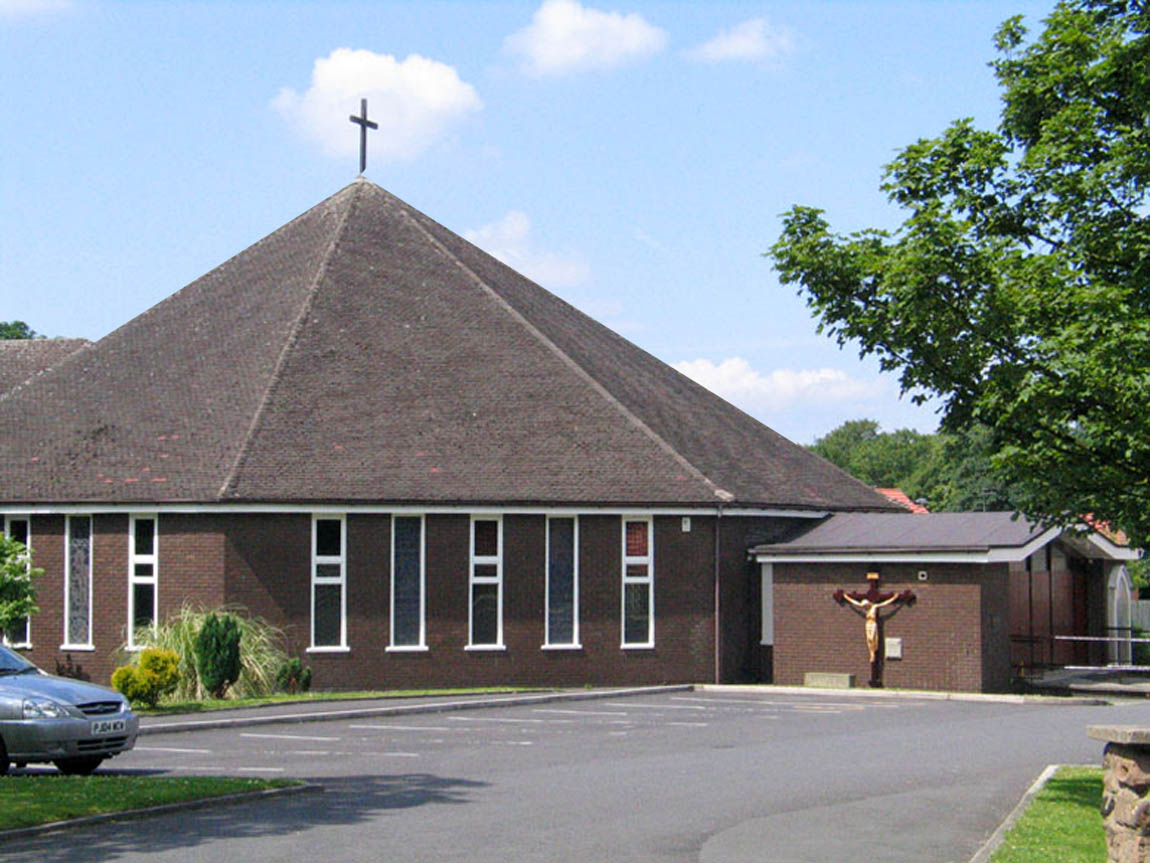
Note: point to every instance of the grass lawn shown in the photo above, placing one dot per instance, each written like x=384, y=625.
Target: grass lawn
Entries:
x=283, y=698
x=44, y=798
x=1061, y=824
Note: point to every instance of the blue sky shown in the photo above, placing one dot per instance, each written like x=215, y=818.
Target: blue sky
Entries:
x=633, y=157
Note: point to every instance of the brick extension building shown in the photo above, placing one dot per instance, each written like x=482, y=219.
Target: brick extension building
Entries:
x=427, y=469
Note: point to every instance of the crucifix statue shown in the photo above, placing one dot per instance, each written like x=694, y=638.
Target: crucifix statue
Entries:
x=364, y=124
x=868, y=604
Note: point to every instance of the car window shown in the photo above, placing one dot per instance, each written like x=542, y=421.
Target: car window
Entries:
x=13, y=663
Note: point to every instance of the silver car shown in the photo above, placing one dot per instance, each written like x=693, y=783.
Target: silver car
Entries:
x=74, y=725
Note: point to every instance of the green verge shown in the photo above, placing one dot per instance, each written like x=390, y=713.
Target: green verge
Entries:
x=1062, y=824
x=43, y=799
x=307, y=697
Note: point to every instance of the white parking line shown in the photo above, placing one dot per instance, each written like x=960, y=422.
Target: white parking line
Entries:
x=580, y=712
x=395, y=754
x=377, y=727
x=660, y=706
x=688, y=724
x=172, y=749
x=289, y=737
x=517, y=721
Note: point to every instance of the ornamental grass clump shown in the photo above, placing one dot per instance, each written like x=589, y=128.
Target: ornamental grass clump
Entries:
x=262, y=650
x=156, y=675
x=218, y=654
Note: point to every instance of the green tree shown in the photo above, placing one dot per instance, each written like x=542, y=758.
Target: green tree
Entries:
x=218, y=654
x=904, y=459
x=17, y=330
x=17, y=584
x=1017, y=289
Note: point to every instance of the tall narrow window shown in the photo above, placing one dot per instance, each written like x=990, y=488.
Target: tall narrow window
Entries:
x=486, y=583
x=638, y=584
x=143, y=596
x=78, y=583
x=19, y=529
x=328, y=571
x=562, y=582
x=407, y=584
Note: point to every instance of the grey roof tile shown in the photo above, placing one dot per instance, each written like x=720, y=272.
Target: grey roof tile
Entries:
x=364, y=353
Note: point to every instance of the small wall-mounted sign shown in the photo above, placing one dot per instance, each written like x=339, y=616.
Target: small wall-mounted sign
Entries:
x=893, y=648
x=686, y=524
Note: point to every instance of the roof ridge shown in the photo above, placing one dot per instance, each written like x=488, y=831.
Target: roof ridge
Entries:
x=564, y=357
x=289, y=342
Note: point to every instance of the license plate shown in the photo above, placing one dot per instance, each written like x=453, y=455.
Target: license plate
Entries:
x=108, y=726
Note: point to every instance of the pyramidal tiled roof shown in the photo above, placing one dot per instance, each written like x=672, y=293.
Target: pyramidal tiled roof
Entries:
x=364, y=353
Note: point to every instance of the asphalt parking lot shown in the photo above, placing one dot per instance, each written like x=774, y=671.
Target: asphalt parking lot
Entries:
x=686, y=776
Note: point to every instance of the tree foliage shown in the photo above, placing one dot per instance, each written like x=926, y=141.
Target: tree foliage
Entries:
x=218, y=654
x=17, y=584
x=17, y=330
x=1017, y=289
x=948, y=472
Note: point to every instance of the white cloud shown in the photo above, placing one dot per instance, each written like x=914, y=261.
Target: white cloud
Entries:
x=735, y=380
x=414, y=101
x=755, y=40
x=564, y=36
x=509, y=240
x=14, y=10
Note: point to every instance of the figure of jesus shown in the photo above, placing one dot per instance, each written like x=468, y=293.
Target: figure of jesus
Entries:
x=871, y=610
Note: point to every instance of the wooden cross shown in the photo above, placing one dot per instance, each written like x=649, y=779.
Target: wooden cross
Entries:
x=868, y=603
x=364, y=124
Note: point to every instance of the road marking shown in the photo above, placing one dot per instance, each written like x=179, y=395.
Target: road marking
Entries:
x=517, y=721
x=405, y=727
x=580, y=712
x=172, y=749
x=688, y=724
x=201, y=768
x=303, y=752
x=290, y=737
x=395, y=754
x=661, y=706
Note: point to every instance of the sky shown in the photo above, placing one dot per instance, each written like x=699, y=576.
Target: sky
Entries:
x=632, y=157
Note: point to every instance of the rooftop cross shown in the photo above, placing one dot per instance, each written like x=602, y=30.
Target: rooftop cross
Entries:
x=364, y=124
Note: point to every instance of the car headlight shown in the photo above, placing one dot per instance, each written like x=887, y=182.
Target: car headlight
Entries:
x=43, y=708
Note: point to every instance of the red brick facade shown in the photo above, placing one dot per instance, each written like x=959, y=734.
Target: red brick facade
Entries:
x=955, y=636
x=262, y=563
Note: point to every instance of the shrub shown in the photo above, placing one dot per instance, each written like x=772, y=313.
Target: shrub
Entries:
x=261, y=650
x=293, y=676
x=157, y=675
x=218, y=654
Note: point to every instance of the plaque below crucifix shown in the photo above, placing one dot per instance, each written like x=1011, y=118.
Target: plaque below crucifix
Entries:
x=868, y=603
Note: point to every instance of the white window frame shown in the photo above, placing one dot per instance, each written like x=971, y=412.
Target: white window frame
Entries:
x=134, y=580
x=68, y=643
x=574, y=644
x=26, y=644
x=647, y=560
x=767, y=605
x=473, y=581
x=318, y=560
x=421, y=647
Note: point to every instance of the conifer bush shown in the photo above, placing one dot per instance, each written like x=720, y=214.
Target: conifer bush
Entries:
x=262, y=650
x=218, y=654
x=157, y=675
x=293, y=677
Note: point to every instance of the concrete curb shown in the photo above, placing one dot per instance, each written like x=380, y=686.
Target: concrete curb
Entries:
x=991, y=845
x=148, y=726
x=920, y=694
x=151, y=811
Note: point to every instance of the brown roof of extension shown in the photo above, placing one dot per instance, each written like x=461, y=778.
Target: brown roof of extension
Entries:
x=22, y=359
x=364, y=353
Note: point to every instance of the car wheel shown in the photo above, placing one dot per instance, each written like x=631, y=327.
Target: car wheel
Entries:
x=81, y=766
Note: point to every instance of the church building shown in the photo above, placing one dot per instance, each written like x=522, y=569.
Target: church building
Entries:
x=429, y=471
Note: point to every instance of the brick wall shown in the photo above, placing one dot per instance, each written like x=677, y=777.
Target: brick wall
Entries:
x=262, y=562
x=942, y=633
